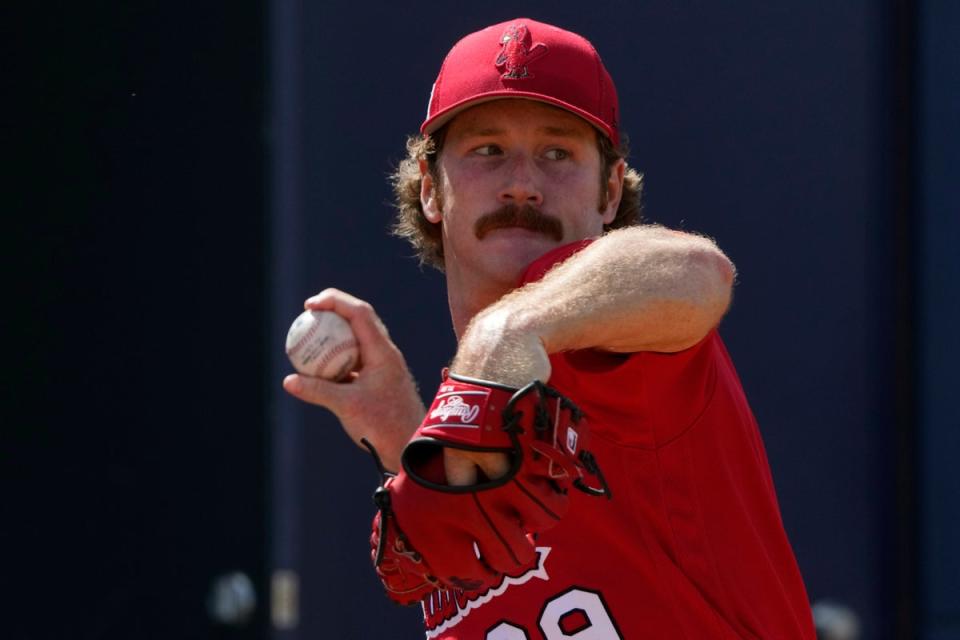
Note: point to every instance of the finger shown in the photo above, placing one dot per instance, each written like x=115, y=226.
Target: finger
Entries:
x=494, y=465
x=345, y=305
x=371, y=333
x=460, y=469
x=461, y=466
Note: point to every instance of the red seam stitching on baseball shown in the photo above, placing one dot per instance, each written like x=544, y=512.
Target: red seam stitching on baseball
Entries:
x=305, y=337
x=337, y=349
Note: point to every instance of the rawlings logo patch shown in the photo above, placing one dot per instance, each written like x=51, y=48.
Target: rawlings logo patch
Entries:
x=516, y=52
x=458, y=409
x=454, y=406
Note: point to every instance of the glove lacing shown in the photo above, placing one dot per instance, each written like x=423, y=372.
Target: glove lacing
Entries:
x=381, y=498
x=542, y=424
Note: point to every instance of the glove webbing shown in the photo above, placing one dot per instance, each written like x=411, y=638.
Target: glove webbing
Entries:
x=542, y=423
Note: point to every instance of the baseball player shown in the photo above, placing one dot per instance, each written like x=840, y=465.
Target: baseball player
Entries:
x=589, y=467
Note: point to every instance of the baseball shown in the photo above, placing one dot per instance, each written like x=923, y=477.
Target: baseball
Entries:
x=321, y=344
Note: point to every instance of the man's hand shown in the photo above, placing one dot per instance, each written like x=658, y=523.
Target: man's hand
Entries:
x=379, y=401
x=491, y=349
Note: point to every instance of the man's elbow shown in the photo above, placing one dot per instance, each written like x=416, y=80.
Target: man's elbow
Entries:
x=709, y=297
x=725, y=275
x=714, y=275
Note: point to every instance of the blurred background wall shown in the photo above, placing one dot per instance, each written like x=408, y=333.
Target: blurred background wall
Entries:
x=190, y=173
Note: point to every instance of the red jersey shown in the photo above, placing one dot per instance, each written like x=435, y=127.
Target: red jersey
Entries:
x=691, y=546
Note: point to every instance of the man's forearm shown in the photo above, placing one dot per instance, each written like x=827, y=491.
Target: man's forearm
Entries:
x=638, y=289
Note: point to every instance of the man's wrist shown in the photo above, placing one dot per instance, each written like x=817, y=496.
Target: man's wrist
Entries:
x=501, y=348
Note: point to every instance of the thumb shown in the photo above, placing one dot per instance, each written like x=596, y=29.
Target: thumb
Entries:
x=318, y=391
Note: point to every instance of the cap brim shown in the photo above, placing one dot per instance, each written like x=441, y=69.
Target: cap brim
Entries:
x=441, y=118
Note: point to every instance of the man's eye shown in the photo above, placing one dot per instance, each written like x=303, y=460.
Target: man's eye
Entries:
x=557, y=154
x=487, y=150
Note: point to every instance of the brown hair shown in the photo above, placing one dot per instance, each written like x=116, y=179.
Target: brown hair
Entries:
x=412, y=225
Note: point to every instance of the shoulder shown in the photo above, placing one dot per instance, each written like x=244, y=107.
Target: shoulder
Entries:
x=645, y=398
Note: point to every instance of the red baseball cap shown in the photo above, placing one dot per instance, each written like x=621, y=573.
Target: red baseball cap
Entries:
x=524, y=58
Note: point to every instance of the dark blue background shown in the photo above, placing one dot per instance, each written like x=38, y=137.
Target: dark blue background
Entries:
x=938, y=317
x=181, y=177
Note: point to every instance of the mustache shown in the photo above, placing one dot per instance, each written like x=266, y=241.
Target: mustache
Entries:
x=524, y=217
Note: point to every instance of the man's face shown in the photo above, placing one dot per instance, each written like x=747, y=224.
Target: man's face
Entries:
x=516, y=178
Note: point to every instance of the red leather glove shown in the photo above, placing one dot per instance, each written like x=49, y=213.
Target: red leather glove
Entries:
x=429, y=534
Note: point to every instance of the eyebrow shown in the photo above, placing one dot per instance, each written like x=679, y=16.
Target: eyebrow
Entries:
x=479, y=132
x=569, y=132
x=564, y=132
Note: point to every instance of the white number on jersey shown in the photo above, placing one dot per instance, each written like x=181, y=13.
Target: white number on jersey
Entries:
x=576, y=614
x=506, y=631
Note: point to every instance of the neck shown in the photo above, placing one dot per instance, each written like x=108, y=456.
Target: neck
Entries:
x=464, y=308
x=467, y=301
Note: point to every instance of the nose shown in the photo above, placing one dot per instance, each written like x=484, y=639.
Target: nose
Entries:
x=521, y=186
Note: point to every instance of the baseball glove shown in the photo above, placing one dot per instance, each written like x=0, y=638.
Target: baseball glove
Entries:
x=430, y=535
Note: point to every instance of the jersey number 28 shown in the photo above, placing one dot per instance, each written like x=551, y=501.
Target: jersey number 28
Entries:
x=575, y=614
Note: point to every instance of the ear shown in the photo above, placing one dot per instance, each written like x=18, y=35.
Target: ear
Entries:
x=428, y=198
x=614, y=191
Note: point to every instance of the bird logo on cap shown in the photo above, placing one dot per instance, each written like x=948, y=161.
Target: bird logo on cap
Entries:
x=516, y=52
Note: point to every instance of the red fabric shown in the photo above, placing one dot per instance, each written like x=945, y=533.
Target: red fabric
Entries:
x=524, y=58
x=429, y=530
x=692, y=545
